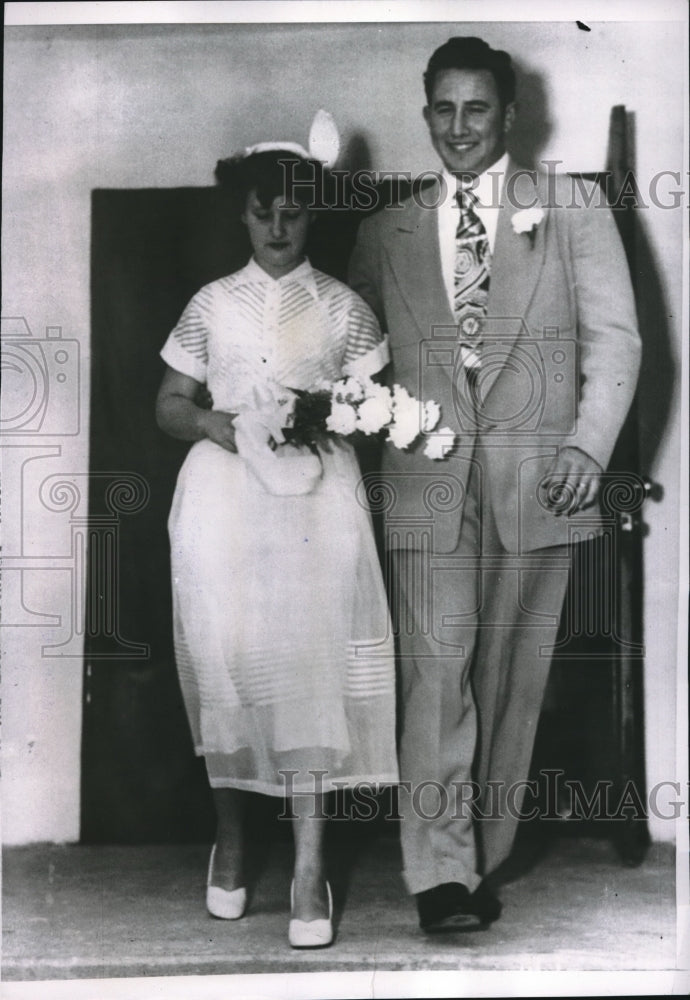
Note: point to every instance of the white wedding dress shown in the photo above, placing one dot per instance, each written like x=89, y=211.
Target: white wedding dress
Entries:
x=282, y=633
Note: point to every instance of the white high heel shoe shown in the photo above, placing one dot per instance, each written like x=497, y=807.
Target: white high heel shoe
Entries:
x=311, y=933
x=226, y=904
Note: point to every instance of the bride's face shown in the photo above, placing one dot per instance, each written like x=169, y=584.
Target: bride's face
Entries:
x=278, y=233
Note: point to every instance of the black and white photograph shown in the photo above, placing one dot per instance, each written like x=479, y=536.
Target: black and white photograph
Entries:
x=344, y=478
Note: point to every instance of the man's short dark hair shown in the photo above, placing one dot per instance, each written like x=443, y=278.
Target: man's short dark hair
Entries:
x=472, y=53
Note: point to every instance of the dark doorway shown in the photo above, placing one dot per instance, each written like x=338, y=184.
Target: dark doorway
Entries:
x=151, y=251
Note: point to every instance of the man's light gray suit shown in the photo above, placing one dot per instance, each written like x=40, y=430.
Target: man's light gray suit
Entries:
x=480, y=558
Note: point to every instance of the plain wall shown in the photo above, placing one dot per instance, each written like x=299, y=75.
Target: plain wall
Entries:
x=119, y=107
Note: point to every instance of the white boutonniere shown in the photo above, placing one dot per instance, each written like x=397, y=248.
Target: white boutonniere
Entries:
x=526, y=222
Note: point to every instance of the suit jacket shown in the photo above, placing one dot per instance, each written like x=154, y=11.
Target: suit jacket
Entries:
x=559, y=363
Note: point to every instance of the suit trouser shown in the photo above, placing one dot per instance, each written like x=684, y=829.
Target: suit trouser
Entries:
x=476, y=627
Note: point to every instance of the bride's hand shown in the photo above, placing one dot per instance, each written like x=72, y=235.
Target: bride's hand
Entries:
x=219, y=427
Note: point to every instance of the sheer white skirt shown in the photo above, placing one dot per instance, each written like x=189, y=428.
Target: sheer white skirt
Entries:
x=282, y=633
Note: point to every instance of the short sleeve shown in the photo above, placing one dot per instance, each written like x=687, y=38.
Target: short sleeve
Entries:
x=186, y=349
x=366, y=350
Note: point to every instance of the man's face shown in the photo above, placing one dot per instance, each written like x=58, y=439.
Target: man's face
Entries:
x=466, y=124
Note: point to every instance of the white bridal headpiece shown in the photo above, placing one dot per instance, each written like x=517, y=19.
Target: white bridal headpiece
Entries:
x=324, y=142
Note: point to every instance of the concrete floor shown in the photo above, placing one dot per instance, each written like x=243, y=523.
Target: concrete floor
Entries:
x=74, y=912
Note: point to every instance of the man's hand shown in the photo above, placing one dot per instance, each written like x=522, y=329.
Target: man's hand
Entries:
x=219, y=427
x=572, y=482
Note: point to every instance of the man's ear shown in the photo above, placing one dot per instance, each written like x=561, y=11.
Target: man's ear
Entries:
x=426, y=111
x=509, y=116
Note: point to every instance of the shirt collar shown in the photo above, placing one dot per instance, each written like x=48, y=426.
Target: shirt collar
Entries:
x=488, y=188
x=302, y=275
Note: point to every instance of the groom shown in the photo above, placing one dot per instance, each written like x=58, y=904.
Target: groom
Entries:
x=507, y=299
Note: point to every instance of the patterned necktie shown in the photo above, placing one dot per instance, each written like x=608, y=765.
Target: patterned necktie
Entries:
x=471, y=285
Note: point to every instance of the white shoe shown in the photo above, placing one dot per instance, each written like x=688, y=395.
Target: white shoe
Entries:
x=311, y=933
x=223, y=903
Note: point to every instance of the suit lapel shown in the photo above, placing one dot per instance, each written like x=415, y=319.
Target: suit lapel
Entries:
x=416, y=262
x=516, y=264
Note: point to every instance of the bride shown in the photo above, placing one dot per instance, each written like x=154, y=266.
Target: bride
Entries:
x=282, y=634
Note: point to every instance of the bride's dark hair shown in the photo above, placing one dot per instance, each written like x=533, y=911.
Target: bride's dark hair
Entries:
x=272, y=174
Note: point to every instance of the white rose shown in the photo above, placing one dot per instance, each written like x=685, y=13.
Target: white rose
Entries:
x=381, y=392
x=405, y=426
x=401, y=396
x=342, y=419
x=439, y=445
x=527, y=220
x=348, y=390
x=404, y=406
x=404, y=429
x=372, y=415
x=431, y=416
x=403, y=432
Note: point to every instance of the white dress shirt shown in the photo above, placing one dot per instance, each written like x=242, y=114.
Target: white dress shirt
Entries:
x=487, y=191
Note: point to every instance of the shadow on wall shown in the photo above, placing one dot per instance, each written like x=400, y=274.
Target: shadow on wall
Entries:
x=357, y=154
x=658, y=373
x=533, y=126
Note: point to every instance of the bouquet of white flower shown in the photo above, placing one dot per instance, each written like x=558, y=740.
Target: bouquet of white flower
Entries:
x=294, y=424
x=350, y=407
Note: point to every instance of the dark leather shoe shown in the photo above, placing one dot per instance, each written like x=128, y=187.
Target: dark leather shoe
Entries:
x=484, y=904
x=451, y=907
x=446, y=907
